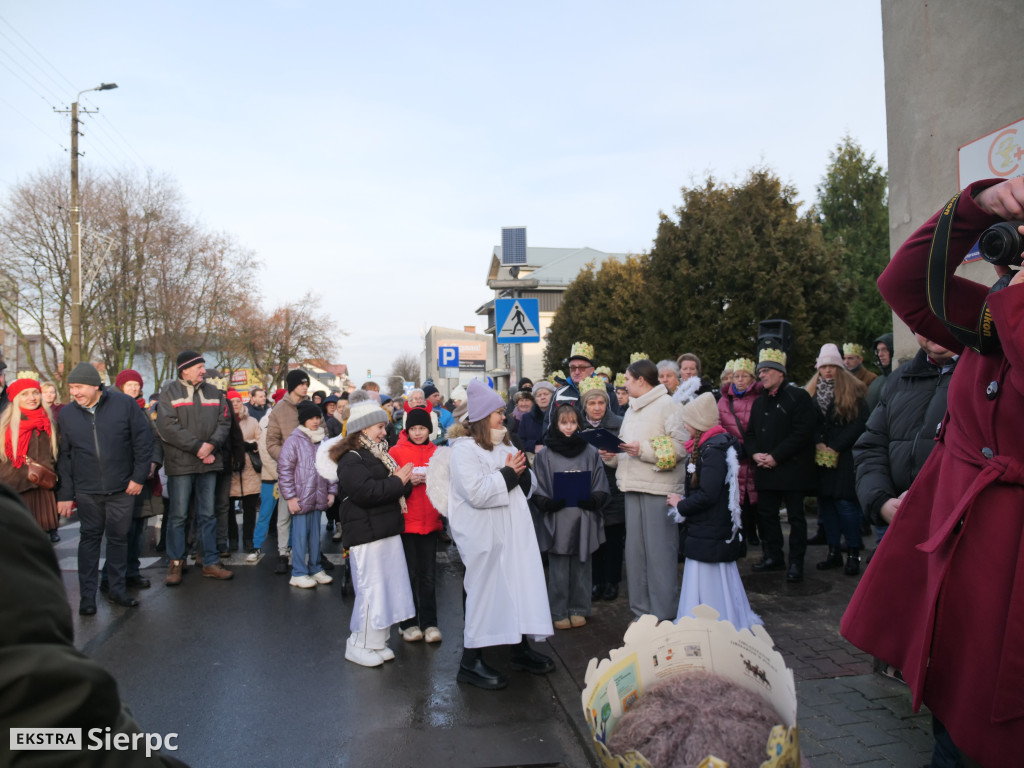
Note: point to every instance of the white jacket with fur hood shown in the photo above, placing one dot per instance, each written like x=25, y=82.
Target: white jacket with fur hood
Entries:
x=650, y=415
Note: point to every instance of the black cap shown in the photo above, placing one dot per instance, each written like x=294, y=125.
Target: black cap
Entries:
x=187, y=359
x=295, y=378
x=418, y=417
x=307, y=410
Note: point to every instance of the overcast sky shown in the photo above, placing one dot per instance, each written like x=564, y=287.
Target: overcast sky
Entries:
x=372, y=152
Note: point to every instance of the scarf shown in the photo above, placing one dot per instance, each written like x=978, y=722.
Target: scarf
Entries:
x=498, y=436
x=718, y=429
x=35, y=420
x=570, y=446
x=316, y=436
x=825, y=394
x=380, y=452
x=739, y=392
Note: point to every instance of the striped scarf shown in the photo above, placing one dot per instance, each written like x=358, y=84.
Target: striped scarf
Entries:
x=380, y=451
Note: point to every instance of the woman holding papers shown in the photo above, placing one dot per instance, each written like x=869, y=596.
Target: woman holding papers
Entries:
x=649, y=468
x=571, y=490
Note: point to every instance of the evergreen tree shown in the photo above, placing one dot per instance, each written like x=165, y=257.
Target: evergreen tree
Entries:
x=601, y=307
x=853, y=210
x=737, y=255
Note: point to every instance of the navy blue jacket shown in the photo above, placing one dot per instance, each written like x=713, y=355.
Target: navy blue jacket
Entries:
x=101, y=453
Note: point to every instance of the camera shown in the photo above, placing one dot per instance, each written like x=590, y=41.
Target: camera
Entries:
x=1002, y=244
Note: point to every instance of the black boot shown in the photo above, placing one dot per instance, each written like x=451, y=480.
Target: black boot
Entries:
x=596, y=591
x=852, y=562
x=834, y=559
x=795, y=574
x=819, y=537
x=525, y=658
x=769, y=563
x=474, y=671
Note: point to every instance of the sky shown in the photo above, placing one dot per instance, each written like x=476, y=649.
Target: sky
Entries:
x=372, y=152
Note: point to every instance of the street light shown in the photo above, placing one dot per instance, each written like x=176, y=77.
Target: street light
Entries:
x=76, y=233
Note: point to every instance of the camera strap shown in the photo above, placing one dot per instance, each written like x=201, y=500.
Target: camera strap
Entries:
x=982, y=338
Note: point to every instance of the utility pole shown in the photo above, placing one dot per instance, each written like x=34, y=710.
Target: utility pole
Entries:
x=76, y=234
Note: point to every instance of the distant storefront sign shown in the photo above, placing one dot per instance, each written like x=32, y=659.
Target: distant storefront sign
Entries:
x=472, y=354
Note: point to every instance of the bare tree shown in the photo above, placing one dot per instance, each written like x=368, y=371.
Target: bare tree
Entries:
x=406, y=366
x=291, y=332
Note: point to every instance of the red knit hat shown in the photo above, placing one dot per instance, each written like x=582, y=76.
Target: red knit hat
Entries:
x=125, y=376
x=278, y=394
x=233, y=394
x=20, y=385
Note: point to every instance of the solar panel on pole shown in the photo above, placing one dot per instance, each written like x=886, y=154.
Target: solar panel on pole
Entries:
x=513, y=245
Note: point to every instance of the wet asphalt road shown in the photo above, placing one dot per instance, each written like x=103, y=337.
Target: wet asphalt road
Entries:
x=251, y=672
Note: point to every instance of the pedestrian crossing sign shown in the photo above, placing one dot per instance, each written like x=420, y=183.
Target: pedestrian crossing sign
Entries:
x=517, y=320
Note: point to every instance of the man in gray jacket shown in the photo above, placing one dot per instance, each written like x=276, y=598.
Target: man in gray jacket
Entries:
x=193, y=421
x=284, y=418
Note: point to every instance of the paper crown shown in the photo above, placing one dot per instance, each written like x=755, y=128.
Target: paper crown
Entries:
x=589, y=383
x=743, y=364
x=556, y=377
x=772, y=358
x=637, y=356
x=603, y=370
x=730, y=365
x=851, y=348
x=582, y=349
x=620, y=380
x=220, y=383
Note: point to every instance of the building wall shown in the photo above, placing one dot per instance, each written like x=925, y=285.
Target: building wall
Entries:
x=952, y=75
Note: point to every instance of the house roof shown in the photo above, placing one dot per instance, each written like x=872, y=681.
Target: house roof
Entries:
x=550, y=267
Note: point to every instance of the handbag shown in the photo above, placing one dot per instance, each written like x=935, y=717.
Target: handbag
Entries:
x=42, y=476
x=257, y=462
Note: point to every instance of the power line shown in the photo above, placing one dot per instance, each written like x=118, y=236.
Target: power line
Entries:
x=123, y=139
x=33, y=123
x=37, y=53
x=101, y=143
x=28, y=85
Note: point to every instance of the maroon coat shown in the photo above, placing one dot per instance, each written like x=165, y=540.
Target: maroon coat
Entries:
x=734, y=413
x=943, y=598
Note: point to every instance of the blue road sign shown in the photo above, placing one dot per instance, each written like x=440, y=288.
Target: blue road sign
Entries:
x=447, y=357
x=517, y=320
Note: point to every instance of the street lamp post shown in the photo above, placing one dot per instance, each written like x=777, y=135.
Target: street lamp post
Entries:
x=76, y=233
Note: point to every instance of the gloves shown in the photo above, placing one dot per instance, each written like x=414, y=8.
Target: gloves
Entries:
x=548, y=505
x=674, y=515
x=590, y=504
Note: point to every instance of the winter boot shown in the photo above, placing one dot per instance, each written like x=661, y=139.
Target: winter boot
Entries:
x=474, y=671
x=834, y=559
x=852, y=562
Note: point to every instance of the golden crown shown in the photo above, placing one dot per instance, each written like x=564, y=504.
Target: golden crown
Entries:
x=772, y=356
x=589, y=383
x=851, y=348
x=603, y=369
x=620, y=380
x=637, y=356
x=744, y=364
x=582, y=349
x=556, y=377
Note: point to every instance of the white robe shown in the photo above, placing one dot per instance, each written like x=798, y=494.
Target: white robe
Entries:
x=506, y=594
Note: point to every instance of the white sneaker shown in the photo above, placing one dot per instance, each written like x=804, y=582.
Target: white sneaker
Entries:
x=366, y=657
x=385, y=653
x=412, y=634
x=254, y=556
x=321, y=577
x=303, y=582
x=432, y=635
x=336, y=536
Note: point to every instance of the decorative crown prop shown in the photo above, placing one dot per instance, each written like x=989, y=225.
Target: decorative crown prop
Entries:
x=743, y=364
x=852, y=348
x=582, y=349
x=589, y=383
x=637, y=356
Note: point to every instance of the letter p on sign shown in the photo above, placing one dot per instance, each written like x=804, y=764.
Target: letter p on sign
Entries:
x=447, y=357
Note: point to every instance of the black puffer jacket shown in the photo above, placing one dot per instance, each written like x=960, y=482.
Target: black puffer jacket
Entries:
x=370, y=509
x=101, y=452
x=186, y=418
x=900, y=432
x=709, y=536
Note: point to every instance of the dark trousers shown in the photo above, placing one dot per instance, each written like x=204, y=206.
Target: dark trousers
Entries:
x=250, y=506
x=110, y=515
x=768, y=505
x=421, y=558
x=221, y=507
x=607, y=560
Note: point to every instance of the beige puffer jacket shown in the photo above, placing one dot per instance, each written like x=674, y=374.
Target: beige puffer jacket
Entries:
x=650, y=415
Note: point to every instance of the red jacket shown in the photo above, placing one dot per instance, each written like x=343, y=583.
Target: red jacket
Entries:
x=943, y=598
x=421, y=516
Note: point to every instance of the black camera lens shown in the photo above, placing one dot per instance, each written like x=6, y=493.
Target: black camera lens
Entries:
x=1002, y=244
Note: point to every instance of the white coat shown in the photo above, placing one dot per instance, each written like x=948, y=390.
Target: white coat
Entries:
x=506, y=594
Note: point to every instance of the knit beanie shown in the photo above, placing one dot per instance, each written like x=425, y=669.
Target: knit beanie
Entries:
x=483, y=401
x=20, y=385
x=125, y=376
x=429, y=389
x=295, y=378
x=459, y=394
x=307, y=410
x=85, y=373
x=278, y=395
x=363, y=415
x=543, y=385
x=187, y=359
x=418, y=417
x=829, y=355
x=701, y=413
x=590, y=394
x=232, y=394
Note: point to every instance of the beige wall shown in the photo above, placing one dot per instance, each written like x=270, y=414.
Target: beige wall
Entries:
x=952, y=74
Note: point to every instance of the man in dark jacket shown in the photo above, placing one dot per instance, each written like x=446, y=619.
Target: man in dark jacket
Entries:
x=194, y=423
x=105, y=450
x=901, y=431
x=780, y=440
x=883, y=356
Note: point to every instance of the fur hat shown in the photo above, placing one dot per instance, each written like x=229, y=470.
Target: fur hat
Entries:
x=418, y=417
x=365, y=414
x=829, y=355
x=296, y=378
x=85, y=373
x=701, y=413
x=771, y=358
x=125, y=376
x=307, y=410
x=187, y=359
x=483, y=401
